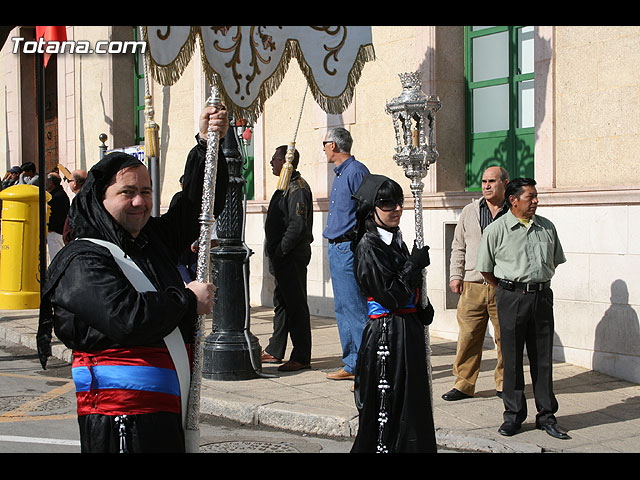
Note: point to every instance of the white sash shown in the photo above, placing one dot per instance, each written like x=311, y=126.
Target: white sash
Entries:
x=175, y=343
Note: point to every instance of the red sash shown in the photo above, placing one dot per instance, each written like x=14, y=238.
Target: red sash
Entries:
x=126, y=381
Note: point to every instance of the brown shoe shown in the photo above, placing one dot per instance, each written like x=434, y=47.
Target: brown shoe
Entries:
x=266, y=358
x=340, y=375
x=293, y=366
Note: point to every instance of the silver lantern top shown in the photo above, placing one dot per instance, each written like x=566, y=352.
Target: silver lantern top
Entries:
x=413, y=116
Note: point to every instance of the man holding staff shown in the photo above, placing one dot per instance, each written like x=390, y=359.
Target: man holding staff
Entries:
x=115, y=297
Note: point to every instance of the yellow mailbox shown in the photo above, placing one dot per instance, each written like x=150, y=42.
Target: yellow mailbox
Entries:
x=20, y=247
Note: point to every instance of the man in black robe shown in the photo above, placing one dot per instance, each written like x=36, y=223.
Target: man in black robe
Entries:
x=127, y=385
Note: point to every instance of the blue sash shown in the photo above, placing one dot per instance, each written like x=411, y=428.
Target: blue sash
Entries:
x=127, y=377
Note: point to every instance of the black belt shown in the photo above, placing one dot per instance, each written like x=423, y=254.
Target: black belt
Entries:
x=341, y=238
x=524, y=287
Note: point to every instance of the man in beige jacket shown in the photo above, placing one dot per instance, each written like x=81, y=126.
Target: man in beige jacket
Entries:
x=477, y=303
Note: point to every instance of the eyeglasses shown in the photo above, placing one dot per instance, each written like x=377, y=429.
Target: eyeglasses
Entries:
x=389, y=205
x=325, y=142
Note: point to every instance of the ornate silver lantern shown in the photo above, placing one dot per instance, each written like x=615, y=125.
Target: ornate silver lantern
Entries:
x=413, y=115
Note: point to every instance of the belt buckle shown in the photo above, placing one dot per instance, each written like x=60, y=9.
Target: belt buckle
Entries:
x=507, y=285
x=531, y=287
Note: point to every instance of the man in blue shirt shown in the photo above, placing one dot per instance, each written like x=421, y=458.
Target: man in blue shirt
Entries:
x=350, y=305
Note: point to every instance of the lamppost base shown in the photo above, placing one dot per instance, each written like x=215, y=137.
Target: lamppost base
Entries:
x=227, y=356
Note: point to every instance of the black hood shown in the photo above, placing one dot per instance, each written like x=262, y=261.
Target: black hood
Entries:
x=365, y=198
x=88, y=218
x=87, y=215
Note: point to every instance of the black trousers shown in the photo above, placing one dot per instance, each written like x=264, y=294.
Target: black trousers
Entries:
x=527, y=320
x=291, y=312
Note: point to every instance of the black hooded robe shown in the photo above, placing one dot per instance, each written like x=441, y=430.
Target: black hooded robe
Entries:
x=92, y=307
x=390, y=282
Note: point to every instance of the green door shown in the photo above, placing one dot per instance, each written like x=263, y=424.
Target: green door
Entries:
x=499, y=101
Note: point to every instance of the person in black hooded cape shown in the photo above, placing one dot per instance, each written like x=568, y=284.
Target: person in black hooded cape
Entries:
x=391, y=379
x=95, y=310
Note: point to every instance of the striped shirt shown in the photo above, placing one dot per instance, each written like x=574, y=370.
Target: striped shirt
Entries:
x=485, y=213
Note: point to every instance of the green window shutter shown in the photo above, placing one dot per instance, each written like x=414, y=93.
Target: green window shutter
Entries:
x=499, y=102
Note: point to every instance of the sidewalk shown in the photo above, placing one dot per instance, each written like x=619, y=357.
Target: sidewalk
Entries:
x=601, y=413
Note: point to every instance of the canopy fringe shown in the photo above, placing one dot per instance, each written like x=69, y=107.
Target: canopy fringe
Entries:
x=169, y=74
x=338, y=104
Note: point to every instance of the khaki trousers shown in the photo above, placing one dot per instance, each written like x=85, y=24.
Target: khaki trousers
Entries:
x=476, y=306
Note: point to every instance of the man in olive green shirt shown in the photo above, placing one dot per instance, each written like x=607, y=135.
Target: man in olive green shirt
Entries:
x=519, y=253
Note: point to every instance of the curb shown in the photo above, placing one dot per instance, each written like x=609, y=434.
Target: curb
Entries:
x=477, y=443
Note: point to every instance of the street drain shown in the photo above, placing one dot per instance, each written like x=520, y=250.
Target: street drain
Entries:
x=248, y=447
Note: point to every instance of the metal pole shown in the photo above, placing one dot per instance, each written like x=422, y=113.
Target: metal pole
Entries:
x=203, y=274
x=151, y=140
x=154, y=171
x=42, y=203
x=417, y=187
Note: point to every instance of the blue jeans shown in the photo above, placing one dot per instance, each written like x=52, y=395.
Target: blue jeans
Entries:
x=350, y=305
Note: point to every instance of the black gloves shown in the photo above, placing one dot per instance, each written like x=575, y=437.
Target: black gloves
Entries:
x=420, y=256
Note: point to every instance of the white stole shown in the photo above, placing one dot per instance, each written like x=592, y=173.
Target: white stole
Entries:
x=175, y=343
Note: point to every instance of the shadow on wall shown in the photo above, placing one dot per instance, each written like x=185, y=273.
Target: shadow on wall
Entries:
x=617, y=337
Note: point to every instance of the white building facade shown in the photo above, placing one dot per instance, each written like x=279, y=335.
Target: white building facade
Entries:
x=560, y=104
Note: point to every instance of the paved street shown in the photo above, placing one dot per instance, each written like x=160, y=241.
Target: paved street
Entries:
x=602, y=413
x=37, y=407
x=38, y=415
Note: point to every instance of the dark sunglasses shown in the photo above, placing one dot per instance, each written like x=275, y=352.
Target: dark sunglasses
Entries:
x=389, y=205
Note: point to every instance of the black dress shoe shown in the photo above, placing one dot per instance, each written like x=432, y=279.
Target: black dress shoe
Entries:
x=508, y=429
x=455, y=394
x=293, y=366
x=553, y=430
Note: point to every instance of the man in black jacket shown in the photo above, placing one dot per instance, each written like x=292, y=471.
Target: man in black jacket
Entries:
x=115, y=297
x=288, y=245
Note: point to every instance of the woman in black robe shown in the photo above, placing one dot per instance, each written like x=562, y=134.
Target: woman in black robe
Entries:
x=391, y=379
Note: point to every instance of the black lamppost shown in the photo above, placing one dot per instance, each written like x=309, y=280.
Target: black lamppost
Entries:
x=231, y=351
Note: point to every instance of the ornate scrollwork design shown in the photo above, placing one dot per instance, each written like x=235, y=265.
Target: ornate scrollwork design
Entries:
x=333, y=51
x=248, y=64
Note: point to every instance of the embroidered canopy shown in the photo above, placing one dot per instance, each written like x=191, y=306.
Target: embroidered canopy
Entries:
x=247, y=63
